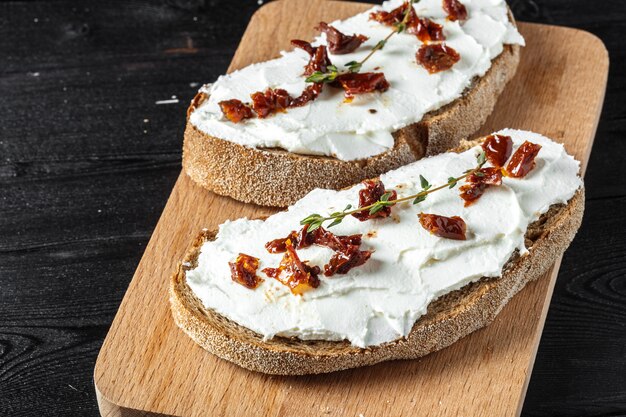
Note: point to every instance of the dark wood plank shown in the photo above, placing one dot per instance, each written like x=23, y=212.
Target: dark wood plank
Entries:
x=72, y=142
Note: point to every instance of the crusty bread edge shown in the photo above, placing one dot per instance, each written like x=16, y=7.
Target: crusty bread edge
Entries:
x=448, y=319
x=274, y=177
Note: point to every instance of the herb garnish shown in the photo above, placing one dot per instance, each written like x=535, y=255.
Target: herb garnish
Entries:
x=315, y=220
x=355, y=66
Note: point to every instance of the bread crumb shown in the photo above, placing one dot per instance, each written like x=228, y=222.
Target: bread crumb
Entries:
x=372, y=234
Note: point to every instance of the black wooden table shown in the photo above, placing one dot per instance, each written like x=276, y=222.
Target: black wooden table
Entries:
x=92, y=102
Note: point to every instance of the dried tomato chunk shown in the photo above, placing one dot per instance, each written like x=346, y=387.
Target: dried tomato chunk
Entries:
x=243, y=271
x=295, y=274
x=269, y=102
x=472, y=192
x=344, y=260
x=304, y=45
x=323, y=237
x=319, y=236
x=455, y=9
x=373, y=191
x=437, y=57
x=447, y=227
x=487, y=176
x=310, y=93
x=360, y=83
x=339, y=43
x=426, y=30
x=390, y=18
x=497, y=149
x=280, y=245
x=235, y=110
x=478, y=183
x=523, y=160
x=319, y=56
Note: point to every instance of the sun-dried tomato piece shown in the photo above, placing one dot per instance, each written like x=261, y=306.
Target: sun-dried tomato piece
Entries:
x=478, y=182
x=319, y=56
x=319, y=236
x=523, y=160
x=425, y=29
x=373, y=191
x=437, y=57
x=487, y=176
x=447, y=227
x=497, y=149
x=344, y=260
x=295, y=274
x=472, y=192
x=319, y=61
x=455, y=9
x=360, y=83
x=235, y=110
x=339, y=43
x=304, y=45
x=243, y=271
x=392, y=17
x=310, y=93
x=280, y=245
x=323, y=237
x=269, y=102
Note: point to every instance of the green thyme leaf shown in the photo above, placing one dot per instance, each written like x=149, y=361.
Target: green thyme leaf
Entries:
x=479, y=174
x=332, y=68
x=317, y=77
x=335, y=222
x=376, y=208
x=381, y=44
x=310, y=219
x=348, y=207
x=419, y=198
x=424, y=183
x=354, y=66
x=481, y=159
x=315, y=225
x=452, y=182
x=400, y=27
x=385, y=197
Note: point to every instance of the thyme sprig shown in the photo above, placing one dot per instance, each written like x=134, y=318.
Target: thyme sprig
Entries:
x=355, y=66
x=314, y=221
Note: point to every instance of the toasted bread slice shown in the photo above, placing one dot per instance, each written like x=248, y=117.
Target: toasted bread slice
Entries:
x=448, y=319
x=275, y=177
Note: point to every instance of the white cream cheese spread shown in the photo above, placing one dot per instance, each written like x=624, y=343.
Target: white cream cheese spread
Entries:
x=380, y=301
x=362, y=128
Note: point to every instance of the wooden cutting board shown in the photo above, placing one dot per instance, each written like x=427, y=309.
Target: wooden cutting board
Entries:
x=147, y=366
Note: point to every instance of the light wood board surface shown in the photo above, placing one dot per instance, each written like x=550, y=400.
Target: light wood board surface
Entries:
x=147, y=366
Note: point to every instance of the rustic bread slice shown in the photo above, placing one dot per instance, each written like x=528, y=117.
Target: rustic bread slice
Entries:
x=275, y=177
x=448, y=319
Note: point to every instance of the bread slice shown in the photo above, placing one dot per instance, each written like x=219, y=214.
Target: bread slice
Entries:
x=275, y=177
x=448, y=319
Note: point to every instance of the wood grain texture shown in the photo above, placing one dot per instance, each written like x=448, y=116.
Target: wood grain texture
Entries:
x=82, y=187
x=148, y=365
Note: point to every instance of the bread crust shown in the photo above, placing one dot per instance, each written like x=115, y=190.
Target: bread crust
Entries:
x=448, y=319
x=275, y=177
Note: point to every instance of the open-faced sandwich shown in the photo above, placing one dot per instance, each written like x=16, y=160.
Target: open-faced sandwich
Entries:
x=395, y=267
x=372, y=93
